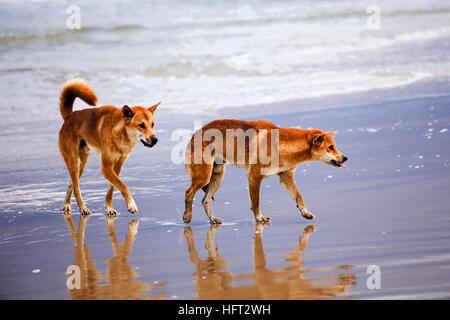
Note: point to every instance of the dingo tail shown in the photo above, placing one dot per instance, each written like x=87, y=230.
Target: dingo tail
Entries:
x=72, y=89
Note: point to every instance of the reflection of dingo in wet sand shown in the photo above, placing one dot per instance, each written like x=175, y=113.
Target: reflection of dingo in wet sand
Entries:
x=213, y=281
x=120, y=278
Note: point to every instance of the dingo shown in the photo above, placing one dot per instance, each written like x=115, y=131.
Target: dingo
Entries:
x=293, y=146
x=110, y=131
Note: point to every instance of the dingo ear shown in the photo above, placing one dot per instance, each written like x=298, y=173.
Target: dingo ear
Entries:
x=153, y=108
x=318, y=139
x=332, y=133
x=127, y=113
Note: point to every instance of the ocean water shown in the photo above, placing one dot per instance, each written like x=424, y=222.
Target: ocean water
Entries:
x=198, y=56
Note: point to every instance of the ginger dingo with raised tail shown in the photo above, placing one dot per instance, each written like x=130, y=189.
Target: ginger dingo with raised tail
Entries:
x=110, y=131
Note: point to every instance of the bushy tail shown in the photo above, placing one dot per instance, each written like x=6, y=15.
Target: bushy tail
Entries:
x=72, y=89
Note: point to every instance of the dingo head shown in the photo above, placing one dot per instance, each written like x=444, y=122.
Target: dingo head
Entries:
x=323, y=148
x=140, y=124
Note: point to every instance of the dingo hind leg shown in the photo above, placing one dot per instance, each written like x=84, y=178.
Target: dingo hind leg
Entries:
x=75, y=159
x=218, y=172
x=84, y=155
x=200, y=176
x=254, y=185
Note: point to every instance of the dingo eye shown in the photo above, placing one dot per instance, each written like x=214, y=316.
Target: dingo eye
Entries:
x=153, y=124
x=331, y=148
x=142, y=125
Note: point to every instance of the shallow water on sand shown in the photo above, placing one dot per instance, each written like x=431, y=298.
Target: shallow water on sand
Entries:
x=389, y=208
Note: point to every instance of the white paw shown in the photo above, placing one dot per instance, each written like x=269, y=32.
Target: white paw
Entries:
x=132, y=207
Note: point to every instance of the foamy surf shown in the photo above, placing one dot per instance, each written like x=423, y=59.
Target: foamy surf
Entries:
x=200, y=56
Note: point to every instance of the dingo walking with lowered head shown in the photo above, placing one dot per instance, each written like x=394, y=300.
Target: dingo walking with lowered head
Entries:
x=207, y=154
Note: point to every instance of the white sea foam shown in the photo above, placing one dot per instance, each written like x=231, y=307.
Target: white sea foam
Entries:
x=198, y=56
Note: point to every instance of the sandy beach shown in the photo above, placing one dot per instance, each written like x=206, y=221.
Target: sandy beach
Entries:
x=389, y=208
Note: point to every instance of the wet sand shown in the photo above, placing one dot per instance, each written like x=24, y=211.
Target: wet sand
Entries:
x=390, y=208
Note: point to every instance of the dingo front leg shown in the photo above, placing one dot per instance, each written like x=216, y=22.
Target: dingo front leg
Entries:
x=109, y=173
x=288, y=183
x=109, y=194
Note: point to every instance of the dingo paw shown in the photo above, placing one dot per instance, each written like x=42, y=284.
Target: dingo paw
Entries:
x=132, y=207
x=85, y=211
x=111, y=212
x=262, y=219
x=66, y=208
x=187, y=217
x=215, y=221
x=306, y=214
